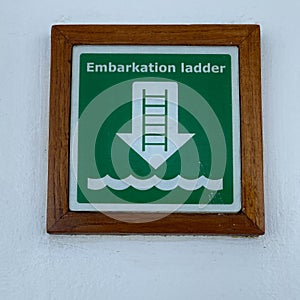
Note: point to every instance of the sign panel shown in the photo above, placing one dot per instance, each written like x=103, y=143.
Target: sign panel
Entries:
x=155, y=128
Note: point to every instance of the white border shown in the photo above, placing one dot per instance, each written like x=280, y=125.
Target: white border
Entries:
x=188, y=208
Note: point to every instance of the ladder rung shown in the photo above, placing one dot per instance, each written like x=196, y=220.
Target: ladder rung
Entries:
x=154, y=134
x=155, y=115
x=155, y=96
x=154, y=144
x=146, y=124
x=155, y=105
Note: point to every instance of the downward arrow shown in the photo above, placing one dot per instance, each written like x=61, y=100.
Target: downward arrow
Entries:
x=155, y=134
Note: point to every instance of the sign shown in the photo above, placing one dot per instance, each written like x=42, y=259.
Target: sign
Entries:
x=155, y=129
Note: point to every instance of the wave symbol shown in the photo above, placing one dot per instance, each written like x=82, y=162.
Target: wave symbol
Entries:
x=154, y=181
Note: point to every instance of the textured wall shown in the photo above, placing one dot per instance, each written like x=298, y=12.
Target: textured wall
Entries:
x=34, y=265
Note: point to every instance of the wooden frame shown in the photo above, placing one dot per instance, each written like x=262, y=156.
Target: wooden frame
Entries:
x=249, y=221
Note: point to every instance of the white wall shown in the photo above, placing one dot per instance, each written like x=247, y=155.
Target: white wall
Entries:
x=34, y=265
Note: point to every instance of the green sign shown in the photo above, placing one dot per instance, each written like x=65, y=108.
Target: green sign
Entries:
x=155, y=129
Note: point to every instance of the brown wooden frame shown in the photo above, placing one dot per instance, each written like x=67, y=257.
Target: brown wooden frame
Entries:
x=249, y=221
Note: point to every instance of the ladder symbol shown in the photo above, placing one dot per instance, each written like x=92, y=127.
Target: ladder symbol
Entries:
x=155, y=120
x=155, y=135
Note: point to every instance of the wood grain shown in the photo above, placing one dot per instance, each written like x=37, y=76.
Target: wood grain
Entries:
x=250, y=221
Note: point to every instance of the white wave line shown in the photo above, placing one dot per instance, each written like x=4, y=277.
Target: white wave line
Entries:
x=154, y=181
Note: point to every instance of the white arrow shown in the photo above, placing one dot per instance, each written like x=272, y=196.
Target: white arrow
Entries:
x=155, y=134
